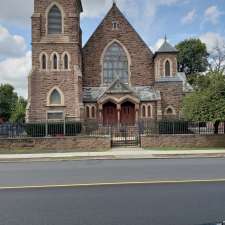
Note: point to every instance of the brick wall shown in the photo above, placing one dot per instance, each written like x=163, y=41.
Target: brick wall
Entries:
x=66, y=143
x=180, y=141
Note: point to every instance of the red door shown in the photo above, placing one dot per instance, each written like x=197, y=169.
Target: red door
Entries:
x=109, y=114
x=127, y=114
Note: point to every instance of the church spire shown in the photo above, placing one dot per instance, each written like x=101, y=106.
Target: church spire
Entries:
x=165, y=38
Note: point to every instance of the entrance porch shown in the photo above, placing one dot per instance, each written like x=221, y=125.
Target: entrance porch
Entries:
x=125, y=113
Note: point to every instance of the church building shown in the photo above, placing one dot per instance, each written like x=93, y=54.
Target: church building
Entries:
x=114, y=78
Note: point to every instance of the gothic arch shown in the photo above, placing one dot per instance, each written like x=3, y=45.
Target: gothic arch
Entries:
x=52, y=61
x=103, y=55
x=42, y=54
x=63, y=60
x=171, y=67
x=170, y=111
x=49, y=95
x=62, y=15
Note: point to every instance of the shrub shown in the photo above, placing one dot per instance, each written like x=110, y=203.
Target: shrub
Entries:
x=53, y=129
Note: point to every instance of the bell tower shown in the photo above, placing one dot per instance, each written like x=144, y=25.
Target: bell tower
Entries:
x=55, y=82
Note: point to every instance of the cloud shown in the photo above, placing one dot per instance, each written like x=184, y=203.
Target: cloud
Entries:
x=15, y=71
x=11, y=45
x=16, y=11
x=212, y=14
x=158, y=44
x=189, y=17
x=212, y=40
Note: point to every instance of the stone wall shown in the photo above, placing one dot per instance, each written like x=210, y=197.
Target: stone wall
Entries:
x=171, y=94
x=64, y=143
x=141, y=57
x=41, y=82
x=183, y=141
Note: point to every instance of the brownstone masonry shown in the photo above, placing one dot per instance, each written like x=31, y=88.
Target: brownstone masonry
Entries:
x=115, y=78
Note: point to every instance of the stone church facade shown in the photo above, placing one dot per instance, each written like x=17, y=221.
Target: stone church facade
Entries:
x=114, y=79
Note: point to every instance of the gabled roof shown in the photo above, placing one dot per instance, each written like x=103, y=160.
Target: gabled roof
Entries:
x=112, y=11
x=118, y=86
x=167, y=48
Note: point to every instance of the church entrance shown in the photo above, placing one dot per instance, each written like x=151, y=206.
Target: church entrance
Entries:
x=127, y=116
x=109, y=114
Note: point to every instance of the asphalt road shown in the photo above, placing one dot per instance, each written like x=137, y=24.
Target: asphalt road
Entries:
x=157, y=204
x=97, y=171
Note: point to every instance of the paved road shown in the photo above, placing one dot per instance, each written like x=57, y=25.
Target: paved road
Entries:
x=159, y=204
x=67, y=172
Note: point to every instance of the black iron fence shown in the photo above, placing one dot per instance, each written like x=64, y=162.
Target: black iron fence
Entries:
x=93, y=128
x=180, y=127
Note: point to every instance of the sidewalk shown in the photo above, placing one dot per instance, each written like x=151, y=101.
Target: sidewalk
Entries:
x=117, y=153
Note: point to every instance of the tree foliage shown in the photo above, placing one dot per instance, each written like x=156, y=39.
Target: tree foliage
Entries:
x=207, y=102
x=8, y=99
x=192, y=57
x=12, y=107
x=19, y=112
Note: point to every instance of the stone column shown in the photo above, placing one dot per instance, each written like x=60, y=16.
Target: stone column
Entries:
x=100, y=109
x=118, y=106
x=137, y=108
x=159, y=110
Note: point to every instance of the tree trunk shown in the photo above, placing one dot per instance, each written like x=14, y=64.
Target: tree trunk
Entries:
x=216, y=127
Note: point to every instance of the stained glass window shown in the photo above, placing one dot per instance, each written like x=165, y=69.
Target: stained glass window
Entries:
x=54, y=21
x=115, y=64
x=55, y=98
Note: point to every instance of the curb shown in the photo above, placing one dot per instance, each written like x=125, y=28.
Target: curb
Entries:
x=114, y=157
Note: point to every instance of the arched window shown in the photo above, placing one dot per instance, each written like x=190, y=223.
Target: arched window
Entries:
x=143, y=111
x=93, y=112
x=170, y=111
x=66, y=61
x=55, y=61
x=149, y=111
x=43, y=61
x=87, y=112
x=167, y=69
x=55, y=98
x=54, y=20
x=115, y=64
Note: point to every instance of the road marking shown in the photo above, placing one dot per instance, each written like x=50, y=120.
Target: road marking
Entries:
x=118, y=183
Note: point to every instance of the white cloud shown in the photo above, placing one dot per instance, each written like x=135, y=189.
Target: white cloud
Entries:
x=212, y=14
x=189, y=17
x=158, y=44
x=11, y=45
x=15, y=71
x=212, y=40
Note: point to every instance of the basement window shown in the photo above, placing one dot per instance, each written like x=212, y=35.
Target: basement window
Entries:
x=55, y=115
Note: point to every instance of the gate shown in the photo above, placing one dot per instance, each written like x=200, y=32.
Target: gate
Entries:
x=125, y=136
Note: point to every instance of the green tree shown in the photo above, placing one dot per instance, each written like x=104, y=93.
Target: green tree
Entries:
x=207, y=102
x=18, y=114
x=192, y=57
x=8, y=100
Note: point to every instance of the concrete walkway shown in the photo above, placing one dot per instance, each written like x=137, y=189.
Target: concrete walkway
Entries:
x=117, y=153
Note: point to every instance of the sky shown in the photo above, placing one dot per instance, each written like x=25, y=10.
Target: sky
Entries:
x=152, y=19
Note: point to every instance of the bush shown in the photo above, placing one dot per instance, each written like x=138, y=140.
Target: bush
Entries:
x=173, y=127
x=53, y=129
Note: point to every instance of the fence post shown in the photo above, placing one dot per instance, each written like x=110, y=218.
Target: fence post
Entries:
x=64, y=126
x=46, y=128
